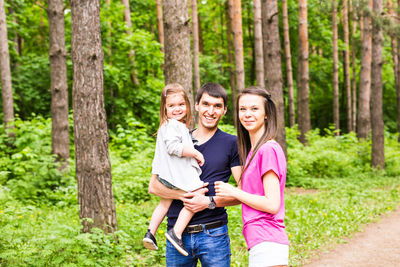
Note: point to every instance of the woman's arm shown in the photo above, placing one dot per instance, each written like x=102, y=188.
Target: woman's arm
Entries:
x=230, y=201
x=270, y=202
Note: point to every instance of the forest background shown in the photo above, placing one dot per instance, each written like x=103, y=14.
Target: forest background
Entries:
x=332, y=188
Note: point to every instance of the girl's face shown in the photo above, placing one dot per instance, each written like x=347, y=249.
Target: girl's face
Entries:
x=252, y=113
x=175, y=106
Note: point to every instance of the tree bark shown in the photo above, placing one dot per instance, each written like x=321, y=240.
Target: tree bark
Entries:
x=398, y=75
x=238, y=43
x=288, y=56
x=93, y=168
x=228, y=15
x=363, y=119
x=354, y=64
x=6, y=86
x=303, y=110
x=393, y=43
x=201, y=43
x=160, y=25
x=177, y=59
x=59, y=84
x=258, y=44
x=336, y=118
x=395, y=56
x=377, y=126
x=196, y=67
x=128, y=22
x=272, y=63
x=347, y=64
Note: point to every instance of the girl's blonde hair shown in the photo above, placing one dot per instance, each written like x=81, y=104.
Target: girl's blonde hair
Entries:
x=170, y=89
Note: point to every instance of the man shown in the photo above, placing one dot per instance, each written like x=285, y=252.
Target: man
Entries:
x=206, y=237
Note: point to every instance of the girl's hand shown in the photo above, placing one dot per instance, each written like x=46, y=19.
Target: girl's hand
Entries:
x=224, y=189
x=199, y=158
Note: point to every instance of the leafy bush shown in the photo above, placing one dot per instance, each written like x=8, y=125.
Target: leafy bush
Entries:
x=27, y=167
x=132, y=151
x=326, y=156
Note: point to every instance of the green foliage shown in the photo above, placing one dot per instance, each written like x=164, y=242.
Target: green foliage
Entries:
x=326, y=157
x=27, y=167
x=31, y=84
x=132, y=152
x=121, y=95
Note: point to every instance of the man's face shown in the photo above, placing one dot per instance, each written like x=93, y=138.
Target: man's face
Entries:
x=210, y=109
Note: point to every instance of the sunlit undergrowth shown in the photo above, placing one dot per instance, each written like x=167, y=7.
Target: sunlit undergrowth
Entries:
x=39, y=222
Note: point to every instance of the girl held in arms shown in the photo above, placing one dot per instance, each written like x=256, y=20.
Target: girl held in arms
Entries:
x=176, y=163
x=262, y=183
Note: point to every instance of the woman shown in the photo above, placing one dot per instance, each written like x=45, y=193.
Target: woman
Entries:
x=262, y=183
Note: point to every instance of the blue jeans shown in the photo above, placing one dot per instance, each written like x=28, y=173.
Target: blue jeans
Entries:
x=212, y=247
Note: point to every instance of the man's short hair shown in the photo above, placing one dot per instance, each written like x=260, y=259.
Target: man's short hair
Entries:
x=214, y=90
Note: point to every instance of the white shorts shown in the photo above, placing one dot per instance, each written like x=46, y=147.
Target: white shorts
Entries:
x=268, y=254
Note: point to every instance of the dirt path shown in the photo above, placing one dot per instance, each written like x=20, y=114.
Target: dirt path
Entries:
x=377, y=245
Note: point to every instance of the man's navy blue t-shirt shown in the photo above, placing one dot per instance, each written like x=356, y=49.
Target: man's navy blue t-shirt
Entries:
x=221, y=154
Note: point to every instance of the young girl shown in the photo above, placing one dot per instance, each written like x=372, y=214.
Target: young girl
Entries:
x=262, y=183
x=176, y=163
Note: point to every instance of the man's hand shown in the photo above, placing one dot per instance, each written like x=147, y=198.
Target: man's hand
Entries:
x=202, y=190
x=195, y=202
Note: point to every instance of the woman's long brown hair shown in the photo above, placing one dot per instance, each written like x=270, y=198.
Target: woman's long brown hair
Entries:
x=270, y=123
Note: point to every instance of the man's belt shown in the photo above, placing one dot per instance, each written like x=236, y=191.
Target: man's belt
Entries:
x=197, y=228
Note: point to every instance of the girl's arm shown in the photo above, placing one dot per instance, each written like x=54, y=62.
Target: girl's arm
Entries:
x=270, y=202
x=188, y=151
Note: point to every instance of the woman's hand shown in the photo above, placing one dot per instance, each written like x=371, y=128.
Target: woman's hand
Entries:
x=224, y=189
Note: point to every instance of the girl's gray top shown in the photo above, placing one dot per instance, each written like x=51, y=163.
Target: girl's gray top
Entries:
x=168, y=163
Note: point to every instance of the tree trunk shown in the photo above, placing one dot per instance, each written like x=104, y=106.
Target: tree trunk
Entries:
x=16, y=41
x=395, y=55
x=6, y=87
x=347, y=64
x=258, y=44
x=272, y=63
x=288, y=57
x=160, y=25
x=363, y=118
x=196, y=67
x=177, y=59
x=228, y=14
x=354, y=64
x=59, y=84
x=236, y=12
x=336, y=118
x=201, y=43
x=128, y=22
x=303, y=110
x=398, y=75
x=377, y=126
x=93, y=168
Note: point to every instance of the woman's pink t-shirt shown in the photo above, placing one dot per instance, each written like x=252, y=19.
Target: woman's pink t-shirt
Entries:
x=259, y=226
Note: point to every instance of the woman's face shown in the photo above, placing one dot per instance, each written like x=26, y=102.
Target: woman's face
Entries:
x=252, y=113
x=176, y=107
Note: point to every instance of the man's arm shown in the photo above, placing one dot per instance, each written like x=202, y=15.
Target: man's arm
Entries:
x=195, y=202
x=158, y=189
